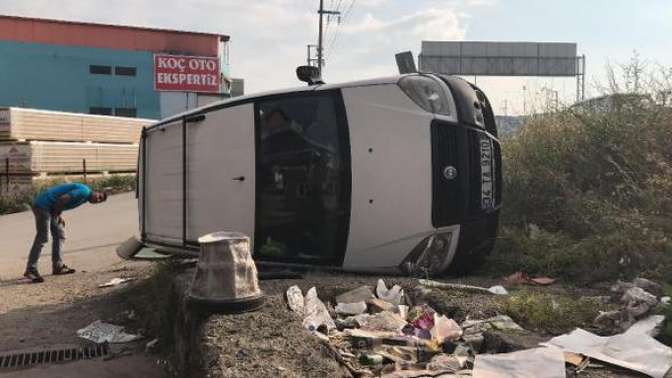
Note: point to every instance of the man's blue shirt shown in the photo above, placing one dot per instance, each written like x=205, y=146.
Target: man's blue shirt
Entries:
x=79, y=193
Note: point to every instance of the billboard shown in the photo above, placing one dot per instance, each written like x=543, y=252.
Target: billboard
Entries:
x=186, y=73
x=500, y=58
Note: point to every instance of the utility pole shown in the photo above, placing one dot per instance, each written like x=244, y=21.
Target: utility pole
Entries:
x=320, y=49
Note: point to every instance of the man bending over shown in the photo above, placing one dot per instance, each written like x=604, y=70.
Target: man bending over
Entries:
x=47, y=208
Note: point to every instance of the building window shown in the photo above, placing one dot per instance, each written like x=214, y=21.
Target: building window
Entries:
x=124, y=71
x=126, y=112
x=100, y=110
x=100, y=70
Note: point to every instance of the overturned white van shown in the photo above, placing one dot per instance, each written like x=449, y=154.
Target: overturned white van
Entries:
x=399, y=174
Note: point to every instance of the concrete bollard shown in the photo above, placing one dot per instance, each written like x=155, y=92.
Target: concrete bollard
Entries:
x=226, y=277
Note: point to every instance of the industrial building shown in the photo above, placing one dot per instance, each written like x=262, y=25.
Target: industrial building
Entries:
x=109, y=69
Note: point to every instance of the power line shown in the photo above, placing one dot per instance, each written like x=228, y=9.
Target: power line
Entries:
x=344, y=20
x=337, y=9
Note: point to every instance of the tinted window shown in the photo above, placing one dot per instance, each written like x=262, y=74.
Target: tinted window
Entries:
x=126, y=112
x=100, y=70
x=100, y=110
x=303, y=179
x=124, y=71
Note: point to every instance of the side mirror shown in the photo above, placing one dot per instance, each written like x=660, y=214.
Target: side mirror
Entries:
x=309, y=74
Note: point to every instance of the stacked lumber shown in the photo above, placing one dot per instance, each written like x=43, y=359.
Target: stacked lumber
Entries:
x=39, y=143
x=67, y=157
x=19, y=124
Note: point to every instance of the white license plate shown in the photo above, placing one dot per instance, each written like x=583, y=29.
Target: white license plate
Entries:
x=487, y=175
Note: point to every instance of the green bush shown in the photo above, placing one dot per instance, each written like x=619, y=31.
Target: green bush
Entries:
x=597, y=184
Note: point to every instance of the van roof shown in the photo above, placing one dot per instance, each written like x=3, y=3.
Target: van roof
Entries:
x=251, y=97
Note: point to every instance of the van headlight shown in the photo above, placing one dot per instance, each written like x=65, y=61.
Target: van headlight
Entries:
x=430, y=257
x=430, y=94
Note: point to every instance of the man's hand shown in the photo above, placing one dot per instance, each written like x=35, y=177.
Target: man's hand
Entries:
x=61, y=221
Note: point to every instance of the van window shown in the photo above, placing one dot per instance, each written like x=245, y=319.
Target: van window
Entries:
x=302, y=179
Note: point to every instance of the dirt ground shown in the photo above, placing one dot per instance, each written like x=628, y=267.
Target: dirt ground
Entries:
x=34, y=316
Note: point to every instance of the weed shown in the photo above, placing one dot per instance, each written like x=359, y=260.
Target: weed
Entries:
x=549, y=313
x=597, y=183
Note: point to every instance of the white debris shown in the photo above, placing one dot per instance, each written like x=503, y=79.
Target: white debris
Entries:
x=631, y=350
x=665, y=300
x=445, y=329
x=350, y=308
x=100, y=332
x=295, y=299
x=115, y=282
x=498, y=290
x=530, y=363
x=151, y=345
x=650, y=326
x=316, y=313
x=445, y=285
x=392, y=295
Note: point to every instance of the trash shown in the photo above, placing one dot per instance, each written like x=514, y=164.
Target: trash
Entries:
x=316, y=313
x=371, y=359
x=445, y=285
x=498, y=290
x=634, y=351
x=380, y=305
x=392, y=295
x=359, y=294
x=573, y=358
x=320, y=335
x=637, y=294
x=447, y=362
x=100, y=332
x=543, y=281
x=521, y=278
x=421, y=317
x=403, y=311
x=650, y=326
x=642, y=283
x=530, y=363
x=115, y=282
x=665, y=300
x=151, y=345
x=499, y=322
x=385, y=321
x=445, y=329
x=351, y=321
x=648, y=285
x=295, y=299
x=355, y=308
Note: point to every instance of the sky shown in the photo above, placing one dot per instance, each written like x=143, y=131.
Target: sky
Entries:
x=269, y=37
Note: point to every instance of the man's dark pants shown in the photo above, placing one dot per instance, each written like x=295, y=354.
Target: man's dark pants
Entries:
x=45, y=223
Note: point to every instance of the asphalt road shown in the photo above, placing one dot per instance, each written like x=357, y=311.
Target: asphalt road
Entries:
x=92, y=234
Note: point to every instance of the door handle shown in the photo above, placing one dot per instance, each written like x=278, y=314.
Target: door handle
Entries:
x=239, y=178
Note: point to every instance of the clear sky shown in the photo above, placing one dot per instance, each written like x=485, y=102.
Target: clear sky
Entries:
x=269, y=37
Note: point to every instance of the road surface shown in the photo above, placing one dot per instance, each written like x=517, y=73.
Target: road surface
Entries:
x=92, y=234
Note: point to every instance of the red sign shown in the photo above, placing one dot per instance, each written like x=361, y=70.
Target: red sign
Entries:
x=186, y=73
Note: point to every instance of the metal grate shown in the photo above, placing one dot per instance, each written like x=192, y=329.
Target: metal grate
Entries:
x=14, y=360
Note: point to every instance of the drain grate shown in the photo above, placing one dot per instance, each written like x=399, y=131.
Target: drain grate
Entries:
x=14, y=360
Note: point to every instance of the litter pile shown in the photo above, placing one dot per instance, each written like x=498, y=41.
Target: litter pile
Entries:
x=385, y=334
x=381, y=332
x=638, y=299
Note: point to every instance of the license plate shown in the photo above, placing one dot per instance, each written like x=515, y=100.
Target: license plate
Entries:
x=487, y=175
